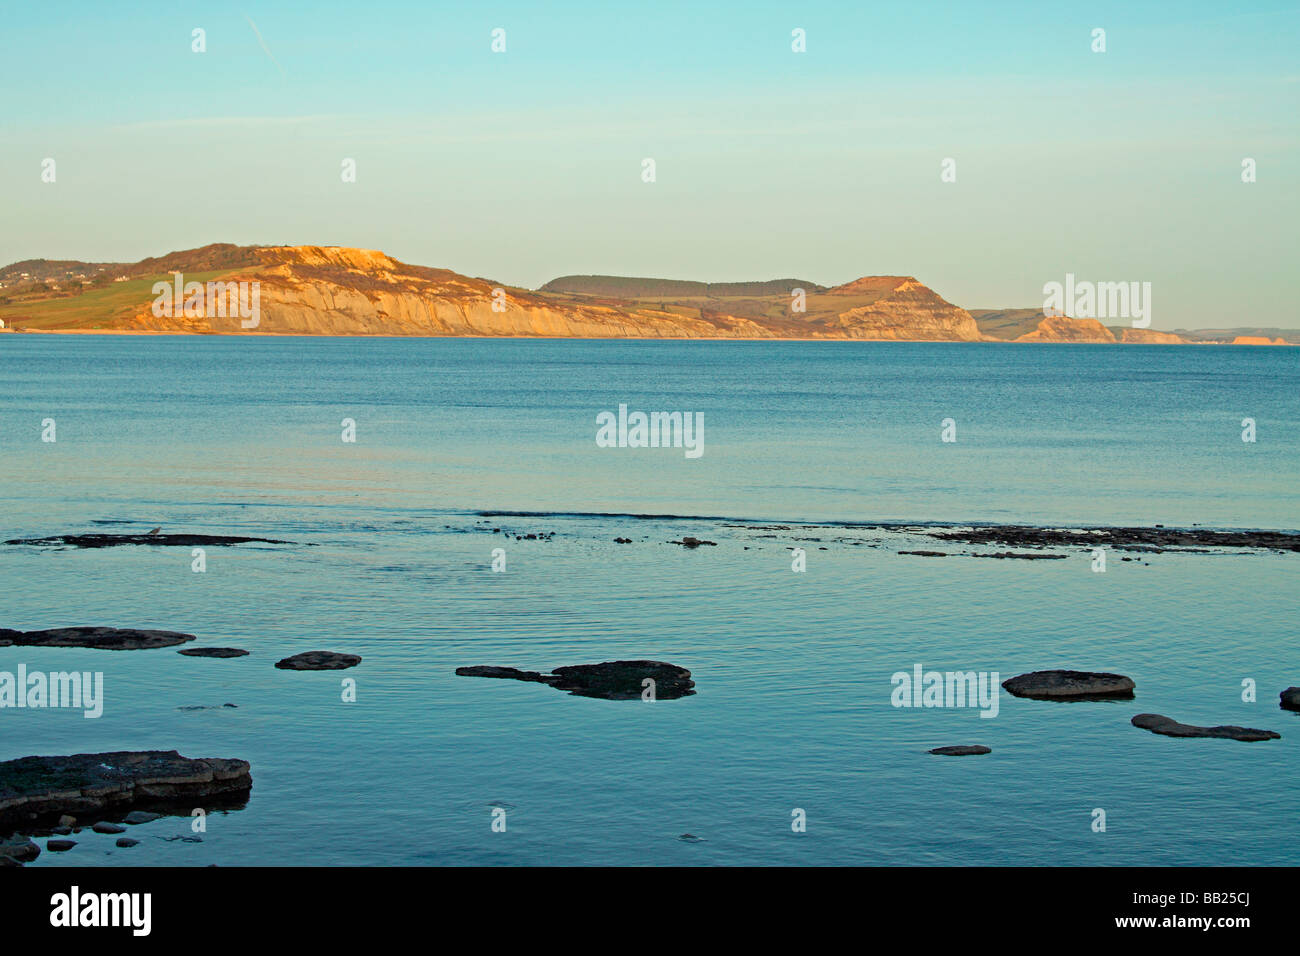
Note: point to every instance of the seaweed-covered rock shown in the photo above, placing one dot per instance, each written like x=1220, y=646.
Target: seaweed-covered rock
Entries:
x=962, y=750
x=1070, y=685
x=505, y=673
x=610, y=680
x=18, y=849
x=1290, y=698
x=213, y=652
x=101, y=638
x=318, y=661
x=36, y=789
x=1168, y=727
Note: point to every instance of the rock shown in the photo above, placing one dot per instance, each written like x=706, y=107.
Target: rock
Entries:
x=1168, y=727
x=508, y=673
x=166, y=540
x=19, y=849
x=1130, y=539
x=1070, y=685
x=1022, y=555
x=213, y=652
x=126, y=842
x=622, y=540
x=188, y=707
x=7, y=637
x=102, y=638
x=63, y=831
x=103, y=827
x=1290, y=698
x=33, y=789
x=622, y=680
x=136, y=817
x=67, y=821
x=690, y=838
x=60, y=846
x=962, y=750
x=689, y=542
x=927, y=554
x=318, y=661
x=611, y=680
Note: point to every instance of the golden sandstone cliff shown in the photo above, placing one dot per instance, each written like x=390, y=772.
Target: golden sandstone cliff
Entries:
x=334, y=290
x=314, y=290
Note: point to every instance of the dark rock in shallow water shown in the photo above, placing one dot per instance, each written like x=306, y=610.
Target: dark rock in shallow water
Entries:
x=1131, y=539
x=126, y=842
x=136, y=817
x=508, y=673
x=622, y=680
x=192, y=707
x=1290, y=698
x=1168, y=727
x=156, y=540
x=102, y=638
x=611, y=680
x=962, y=750
x=110, y=828
x=689, y=542
x=1022, y=555
x=318, y=661
x=60, y=846
x=1070, y=685
x=8, y=637
x=213, y=652
x=33, y=789
x=18, y=849
x=927, y=554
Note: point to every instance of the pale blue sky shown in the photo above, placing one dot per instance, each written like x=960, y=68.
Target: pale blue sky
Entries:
x=521, y=166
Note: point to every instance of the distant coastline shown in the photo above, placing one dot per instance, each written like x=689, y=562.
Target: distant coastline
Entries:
x=223, y=289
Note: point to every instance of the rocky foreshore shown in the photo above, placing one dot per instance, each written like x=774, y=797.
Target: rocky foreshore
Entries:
x=39, y=790
x=1154, y=538
x=154, y=540
x=100, y=638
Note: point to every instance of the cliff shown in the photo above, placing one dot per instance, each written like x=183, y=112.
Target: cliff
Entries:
x=331, y=290
x=335, y=290
x=1061, y=328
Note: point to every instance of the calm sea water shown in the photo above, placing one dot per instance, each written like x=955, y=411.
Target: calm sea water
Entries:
x=391, y=559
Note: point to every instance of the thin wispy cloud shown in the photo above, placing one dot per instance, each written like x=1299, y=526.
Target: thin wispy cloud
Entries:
x=265, y=48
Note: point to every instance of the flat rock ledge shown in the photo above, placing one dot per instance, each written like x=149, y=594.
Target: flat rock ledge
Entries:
x=156, y=540
x=1290, y=698
x=1168, y=727
x=1070, y=685
x=962, y=750
x=318, y=661
x=213, y=652
x=1154, y=539
x=610, y=680
x=34, y=790
x=100, y=638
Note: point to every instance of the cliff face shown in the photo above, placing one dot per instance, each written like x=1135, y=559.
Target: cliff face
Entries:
x=312, y=290
x=902, y=308
x=332, y=290
x=1060, y=328
x=1151, y=337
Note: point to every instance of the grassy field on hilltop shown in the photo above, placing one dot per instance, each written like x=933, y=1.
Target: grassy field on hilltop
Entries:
x=94, y=308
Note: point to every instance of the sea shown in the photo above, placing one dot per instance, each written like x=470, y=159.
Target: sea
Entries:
x=406, y=475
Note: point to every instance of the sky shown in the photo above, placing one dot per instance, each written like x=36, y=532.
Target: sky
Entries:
x=822, y=165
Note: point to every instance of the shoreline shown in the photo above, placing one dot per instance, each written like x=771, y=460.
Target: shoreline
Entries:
x=579, y=338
